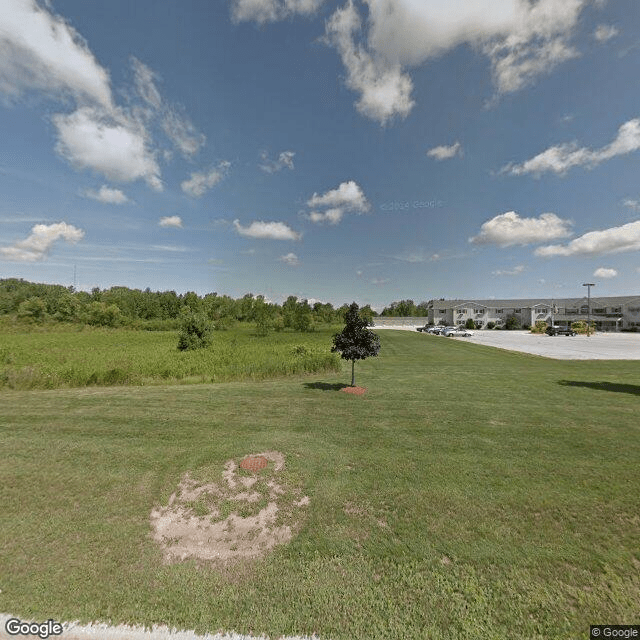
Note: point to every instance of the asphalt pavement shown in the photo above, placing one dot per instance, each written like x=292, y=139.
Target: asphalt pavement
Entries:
x=598, y=346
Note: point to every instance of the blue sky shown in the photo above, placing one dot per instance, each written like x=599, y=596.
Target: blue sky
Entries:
x=368, y=150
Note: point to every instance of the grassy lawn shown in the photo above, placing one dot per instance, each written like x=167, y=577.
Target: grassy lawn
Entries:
x=471, y=493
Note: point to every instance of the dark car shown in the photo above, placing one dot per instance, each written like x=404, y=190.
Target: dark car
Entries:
x=425, y=328
x=559, y=331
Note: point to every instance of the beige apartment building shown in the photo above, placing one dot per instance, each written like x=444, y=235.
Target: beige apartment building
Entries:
x=609, y=314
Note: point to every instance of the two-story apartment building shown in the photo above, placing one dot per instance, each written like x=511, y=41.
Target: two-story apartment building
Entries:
x=608, y=313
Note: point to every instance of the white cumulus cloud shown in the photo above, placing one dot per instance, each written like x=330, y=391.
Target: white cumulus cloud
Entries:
x=285, y=160
x=613, y=240
x=107, y=195
x=560, y=158
x=291, y=259
x=332, y=216
x=605, y=32
x=385, y=91
x=633, y=204
x=113, y=146
x=37, y=245
x=347, y=197
x=171, y=221
x=200, y=182
x=509, y=229
x=262, y=11
x=444, y=152
x=509, y=272
x=41, y=51
x=267, y=230
x=604, y=272
x=522, y=39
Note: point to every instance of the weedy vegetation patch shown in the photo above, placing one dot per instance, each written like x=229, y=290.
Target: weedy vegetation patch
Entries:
x=82, y=356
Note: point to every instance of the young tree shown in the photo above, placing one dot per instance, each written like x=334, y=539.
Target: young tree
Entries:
x=355, y=341
x=195, y=332
x=263, y=316
x=302, y=319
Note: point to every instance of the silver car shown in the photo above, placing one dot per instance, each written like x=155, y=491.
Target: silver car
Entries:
x=457, y=332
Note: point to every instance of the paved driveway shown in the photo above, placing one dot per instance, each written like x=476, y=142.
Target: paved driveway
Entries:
x=600, y=346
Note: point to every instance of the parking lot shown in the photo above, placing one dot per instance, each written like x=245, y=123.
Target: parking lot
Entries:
x=599, y=346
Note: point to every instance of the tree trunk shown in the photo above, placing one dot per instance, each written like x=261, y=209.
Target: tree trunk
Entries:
x=353, y=373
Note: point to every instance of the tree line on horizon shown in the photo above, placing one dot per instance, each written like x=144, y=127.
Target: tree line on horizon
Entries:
x=122, y=306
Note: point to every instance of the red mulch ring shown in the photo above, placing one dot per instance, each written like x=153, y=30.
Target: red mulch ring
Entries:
x=357, y=391
x=254, y=463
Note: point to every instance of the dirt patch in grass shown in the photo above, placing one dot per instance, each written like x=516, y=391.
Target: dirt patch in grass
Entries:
x=356, y=391
x=243, y=515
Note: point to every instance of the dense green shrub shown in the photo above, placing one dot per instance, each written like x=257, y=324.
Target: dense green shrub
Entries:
x=101, y=314
x=264, y=325
x=303, y=320
x=32, y=310
x=195, y=332
x=512, y=323
x=491, y=325
x=581, y=327
x=539, y=327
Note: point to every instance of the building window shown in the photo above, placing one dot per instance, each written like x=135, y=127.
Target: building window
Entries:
x=572, y=312
x=499, y=310
x=517, y=311
x=442, y=311
x=600, y=311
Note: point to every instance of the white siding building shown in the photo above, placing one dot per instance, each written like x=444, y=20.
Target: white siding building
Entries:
x=609, y=314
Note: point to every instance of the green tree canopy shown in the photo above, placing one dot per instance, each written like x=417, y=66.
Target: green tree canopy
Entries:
x=356, y=341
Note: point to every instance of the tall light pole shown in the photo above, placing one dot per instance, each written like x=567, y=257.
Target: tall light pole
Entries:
x=588, y=285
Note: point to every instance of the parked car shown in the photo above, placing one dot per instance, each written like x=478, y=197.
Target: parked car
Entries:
x=435, y=330
x=559, y=331
x=457, y=332
x=439, y=330
x=425, y=328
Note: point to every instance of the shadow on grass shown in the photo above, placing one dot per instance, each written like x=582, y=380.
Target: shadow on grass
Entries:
x=325, y=386
x=604, y=386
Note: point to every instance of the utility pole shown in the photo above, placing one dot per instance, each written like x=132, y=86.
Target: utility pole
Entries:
x=588, y=285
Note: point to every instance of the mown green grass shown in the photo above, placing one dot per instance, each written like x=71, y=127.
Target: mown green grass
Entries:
x=471, y=493
x=69, y=357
